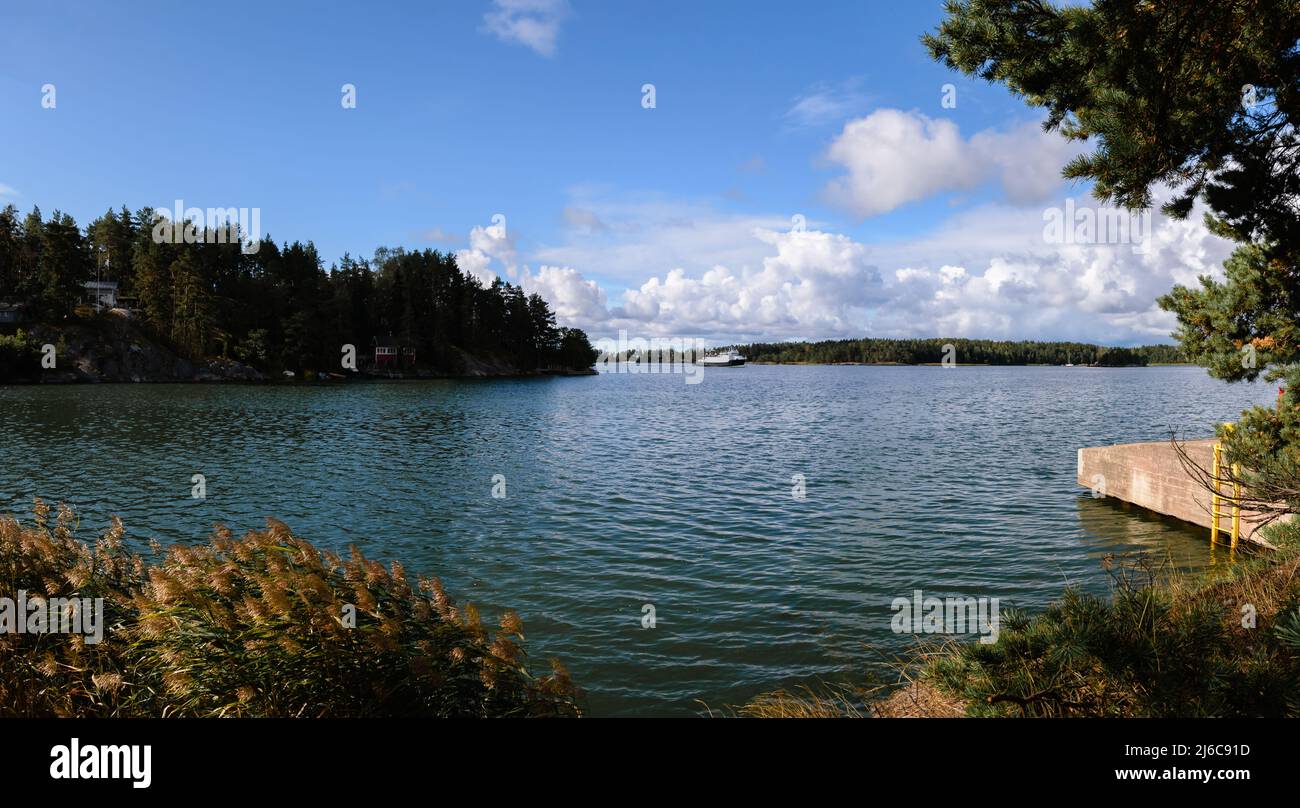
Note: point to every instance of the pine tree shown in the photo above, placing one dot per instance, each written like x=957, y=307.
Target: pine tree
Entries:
x=10, y=237
x=192, y=323
x=1200, y=98
x=150, y=263
x=64, y=265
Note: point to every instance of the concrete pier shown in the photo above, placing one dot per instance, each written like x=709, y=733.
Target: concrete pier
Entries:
x=1150, y=475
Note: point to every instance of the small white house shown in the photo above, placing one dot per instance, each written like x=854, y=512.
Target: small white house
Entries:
x=101, y=295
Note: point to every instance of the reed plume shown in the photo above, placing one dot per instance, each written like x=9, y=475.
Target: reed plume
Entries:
x=253, y=626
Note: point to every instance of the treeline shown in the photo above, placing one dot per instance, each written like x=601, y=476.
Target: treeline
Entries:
x=963, y=351
x=278, y=307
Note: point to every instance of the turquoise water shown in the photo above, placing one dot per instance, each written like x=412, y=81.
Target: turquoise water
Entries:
x=627, y=490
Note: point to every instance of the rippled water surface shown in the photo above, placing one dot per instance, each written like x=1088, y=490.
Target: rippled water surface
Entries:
x=626, y=490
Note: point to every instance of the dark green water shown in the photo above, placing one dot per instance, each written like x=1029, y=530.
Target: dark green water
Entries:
x=626, y=490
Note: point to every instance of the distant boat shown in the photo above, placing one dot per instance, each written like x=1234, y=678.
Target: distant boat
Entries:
x=730, y=359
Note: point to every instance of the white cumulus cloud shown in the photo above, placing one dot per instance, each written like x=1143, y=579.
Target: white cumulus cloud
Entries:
x=891, y=158
x=575, y=300
x=989, y=272
x=486, y=244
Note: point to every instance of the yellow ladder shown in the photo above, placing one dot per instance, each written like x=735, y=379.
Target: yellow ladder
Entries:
x=1216, y=500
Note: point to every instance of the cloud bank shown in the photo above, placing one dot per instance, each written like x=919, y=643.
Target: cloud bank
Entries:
x=663, y=267
x=988, y=274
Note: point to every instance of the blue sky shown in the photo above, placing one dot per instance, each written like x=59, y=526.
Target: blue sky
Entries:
x=673, y=220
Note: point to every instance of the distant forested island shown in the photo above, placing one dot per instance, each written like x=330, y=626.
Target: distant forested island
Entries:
x=964, y=352
x=201, y=302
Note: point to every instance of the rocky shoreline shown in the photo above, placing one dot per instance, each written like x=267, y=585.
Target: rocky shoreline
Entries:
x=115, y=352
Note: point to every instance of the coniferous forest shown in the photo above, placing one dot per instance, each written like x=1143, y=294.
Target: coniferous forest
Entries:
x=964, y=352
x=278, y=308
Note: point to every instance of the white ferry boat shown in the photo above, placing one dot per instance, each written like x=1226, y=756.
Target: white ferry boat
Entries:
x=730, y=359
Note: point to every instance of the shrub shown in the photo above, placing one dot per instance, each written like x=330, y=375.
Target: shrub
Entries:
x=1151, y=649
x=20, y=357
x=255, y=626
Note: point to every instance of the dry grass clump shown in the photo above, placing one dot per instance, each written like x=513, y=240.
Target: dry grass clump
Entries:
x=830, y=702
x=919, y=700
x=264, y=625
x=909, y=699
